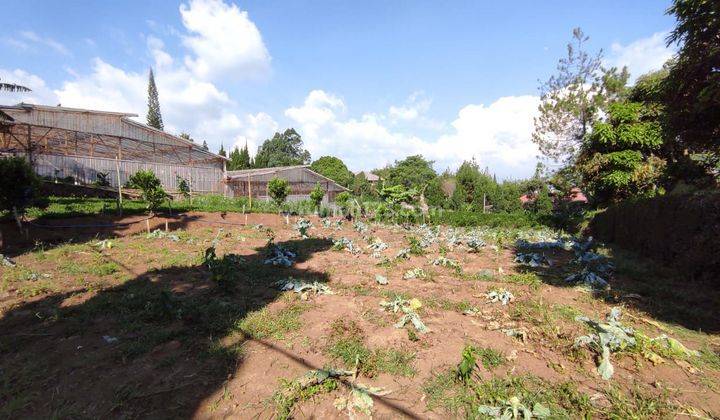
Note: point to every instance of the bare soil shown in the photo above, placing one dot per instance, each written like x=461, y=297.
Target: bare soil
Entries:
x=139, y=329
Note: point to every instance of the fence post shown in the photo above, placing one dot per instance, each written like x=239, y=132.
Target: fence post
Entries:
x=119, y=185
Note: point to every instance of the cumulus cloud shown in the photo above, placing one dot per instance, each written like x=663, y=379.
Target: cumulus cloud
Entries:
x=41, y=93
x=223, y=40
x=642, y=55
x=497, y=135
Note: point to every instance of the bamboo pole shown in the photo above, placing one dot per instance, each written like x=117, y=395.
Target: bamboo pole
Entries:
x=119, y=185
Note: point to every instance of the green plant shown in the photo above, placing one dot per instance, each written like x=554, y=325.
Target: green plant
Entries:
x=183, y=186
x=152, y=190
x=343, y=200
x=19, y=185
x=278, y=189
x=102, y=179
x=317, y=194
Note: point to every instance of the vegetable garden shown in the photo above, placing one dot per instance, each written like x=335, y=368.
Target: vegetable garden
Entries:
x=208, y=316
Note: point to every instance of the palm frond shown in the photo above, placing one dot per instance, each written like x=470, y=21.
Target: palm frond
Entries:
x=12, y=87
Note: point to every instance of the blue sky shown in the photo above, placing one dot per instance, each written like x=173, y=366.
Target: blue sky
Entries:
x=368, y=81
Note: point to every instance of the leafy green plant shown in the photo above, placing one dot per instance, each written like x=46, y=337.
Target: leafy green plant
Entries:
x=152, y=191
x=102, y=179
x=183, y=186
x=19, y=186
x=317, y=194
x=278, y=189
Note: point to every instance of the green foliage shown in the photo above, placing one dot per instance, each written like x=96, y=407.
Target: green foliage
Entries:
x=283, y=149
x=573, y=98
x=411, y=172
x=397, y=194
x=343, y=199
x=333, y=168
x=543, y=204
x=317, y=194
x=224, y=270
x=154, y=118
x=19, y=186
x=278, y=189
x=239, y=159
x=466, y=218
x=183, y=186
x=361, y=187
x=618, y=159
x=102, y=179
x=152, y=191
x=471, y=186
x=693, y=84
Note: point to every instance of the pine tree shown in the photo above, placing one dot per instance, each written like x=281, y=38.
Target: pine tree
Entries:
x=221, y=152
x=244, y=158
x=205, y=145
x=154, y=118
x=233, y=164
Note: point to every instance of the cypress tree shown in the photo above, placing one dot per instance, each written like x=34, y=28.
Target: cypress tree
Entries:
x=154, y=118
x=221, y=152
x=244, y=158
x=205, y=145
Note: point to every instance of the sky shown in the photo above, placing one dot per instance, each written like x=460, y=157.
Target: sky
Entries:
x=369, y=82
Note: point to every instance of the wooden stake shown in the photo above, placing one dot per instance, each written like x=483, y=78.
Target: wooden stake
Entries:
x=119, y=186
x=166, y=225
x=147, y=225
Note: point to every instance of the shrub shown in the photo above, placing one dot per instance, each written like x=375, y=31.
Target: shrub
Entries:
x=317, y=194
x=468, y=218
x=149, y=184
x=183, y=186
x=278, y=189
x=343, y=199
x=102, y=179
x=19, y=186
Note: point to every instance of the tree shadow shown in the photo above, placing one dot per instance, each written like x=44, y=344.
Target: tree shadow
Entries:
x=49, y=233
x=643, y=284
x=155, y=346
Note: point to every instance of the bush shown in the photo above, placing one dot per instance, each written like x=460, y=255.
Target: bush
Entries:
x=343, y=199
x=102, y=179
x=467, y=218
x=19, y=186
x=183, y=186
x=149, y=184
x=278, y=189
x=317, y=194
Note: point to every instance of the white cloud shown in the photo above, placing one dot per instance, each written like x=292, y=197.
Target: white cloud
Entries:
x=41, y=93
x=189, y=100
x=498, y=135
x=415, y=106
x=224, y=40
x=642, y=55
x=30, y=41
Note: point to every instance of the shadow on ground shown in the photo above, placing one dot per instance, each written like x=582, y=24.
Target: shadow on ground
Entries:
x=155, y=347
x=662, y=293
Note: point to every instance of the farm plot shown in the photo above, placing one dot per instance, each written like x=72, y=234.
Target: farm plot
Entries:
x=330, y=319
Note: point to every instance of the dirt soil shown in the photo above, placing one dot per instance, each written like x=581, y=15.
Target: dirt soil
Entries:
x=136, y=327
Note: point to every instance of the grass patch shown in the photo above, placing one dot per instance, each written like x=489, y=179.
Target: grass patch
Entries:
x=292, y=392
x=347, y=343
x=265, y=323
x=528, y=278
x=445, y=392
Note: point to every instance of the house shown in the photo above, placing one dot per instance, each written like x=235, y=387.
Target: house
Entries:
x=575, y=196
x=254, y=182
x=370, y=177
x=78, y=144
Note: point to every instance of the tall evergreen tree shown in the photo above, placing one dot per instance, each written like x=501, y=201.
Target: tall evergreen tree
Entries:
x=244, y=158
x=205, y=145
x=154, y=118
x=221, y=152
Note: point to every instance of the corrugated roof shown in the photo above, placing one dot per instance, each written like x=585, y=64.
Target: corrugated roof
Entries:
x=244, y=173
x=123, y=116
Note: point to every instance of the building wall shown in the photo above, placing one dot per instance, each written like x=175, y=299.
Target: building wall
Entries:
x=301, y=180
x=85, y=169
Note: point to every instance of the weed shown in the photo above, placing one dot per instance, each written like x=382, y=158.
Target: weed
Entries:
x=347, y=344
x=264, y=323
x=292, y=392
x=528, y=278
